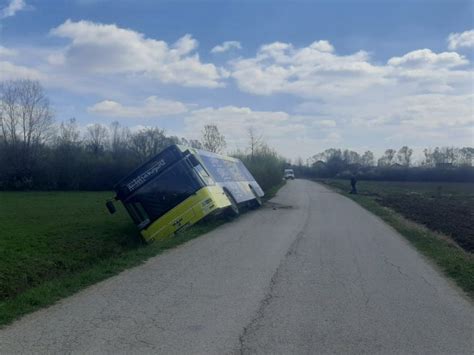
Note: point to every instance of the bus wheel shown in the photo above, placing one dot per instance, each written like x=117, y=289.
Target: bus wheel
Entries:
x=233, y=209
x=257, y=201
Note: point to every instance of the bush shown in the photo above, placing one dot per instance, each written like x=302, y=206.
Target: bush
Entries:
x=265, y=165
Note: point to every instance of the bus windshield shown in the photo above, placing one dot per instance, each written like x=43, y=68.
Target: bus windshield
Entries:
x=163, y=193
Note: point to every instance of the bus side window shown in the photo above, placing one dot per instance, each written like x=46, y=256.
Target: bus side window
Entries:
x=204, y=175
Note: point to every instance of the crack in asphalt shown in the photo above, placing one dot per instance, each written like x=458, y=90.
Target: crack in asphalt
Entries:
x=260, y=313
x=398, y=267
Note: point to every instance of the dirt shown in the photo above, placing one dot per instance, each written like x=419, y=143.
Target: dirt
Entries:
x=449, y=215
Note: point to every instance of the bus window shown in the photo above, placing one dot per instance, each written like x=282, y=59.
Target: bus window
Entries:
x=209, y=181
x=223, y=170
x=138, y=213
x=167, y=190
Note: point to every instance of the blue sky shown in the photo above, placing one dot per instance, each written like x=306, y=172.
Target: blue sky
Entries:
x=308, y=75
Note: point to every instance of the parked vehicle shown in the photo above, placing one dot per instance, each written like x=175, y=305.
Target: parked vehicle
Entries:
x=289, y=174
x=182, y=185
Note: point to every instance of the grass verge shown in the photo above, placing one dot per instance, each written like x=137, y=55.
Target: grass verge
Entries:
x=454, y=262
x=271, y=192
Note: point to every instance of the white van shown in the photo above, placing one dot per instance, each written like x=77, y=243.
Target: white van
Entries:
x=289, y=174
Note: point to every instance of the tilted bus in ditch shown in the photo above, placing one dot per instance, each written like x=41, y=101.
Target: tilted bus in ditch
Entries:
x=182, y=185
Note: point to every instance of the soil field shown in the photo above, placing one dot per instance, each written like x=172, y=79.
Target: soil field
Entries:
x=443, y=207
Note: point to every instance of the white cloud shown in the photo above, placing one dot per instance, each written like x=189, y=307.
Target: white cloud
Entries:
x=419, y=91
x=151, y=107
x=313, y=71
x=326, y=123
x=425, y=58
x=12, y=8
x=291, y=135
x=7, y=52
x=225, y=46
x=108, y=49
x=316, y=71
x=459, y=40
x=10, y=71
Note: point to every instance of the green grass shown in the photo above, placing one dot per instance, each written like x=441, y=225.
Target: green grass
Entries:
x=53, y=244
x=272, y=191
x=451, y=259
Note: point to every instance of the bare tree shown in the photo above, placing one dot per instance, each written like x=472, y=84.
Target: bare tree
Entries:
x=96, y=138
x=194, y=143
x=68, y=133
x=212, y=139
x=368, y=159
x=387, y=158
x=351, y=157
x=26, y=123
x=25, y=117
x=404, y=156
x=118, y=138
x=148, y=142
x=466, y=155
x=255, y=141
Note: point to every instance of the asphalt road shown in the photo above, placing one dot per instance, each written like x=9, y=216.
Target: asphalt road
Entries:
x=311, y=272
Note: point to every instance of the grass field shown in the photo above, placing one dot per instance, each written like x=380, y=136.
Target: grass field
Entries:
x=444, y=216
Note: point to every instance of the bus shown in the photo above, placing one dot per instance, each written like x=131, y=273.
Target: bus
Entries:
x=180, y=186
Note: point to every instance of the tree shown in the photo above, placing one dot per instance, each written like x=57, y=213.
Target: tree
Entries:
x=350, y=157
x=25, y=115
x=368, y=159
x=118, y=139
x=333, y=159
x=465, y=156
x=212, y=139
x=26, y=123
x=68, y=133
x=255, y=141
x=148, y=142
x=193, y=143
x=96, y=138
x=404, y=156
x=387, y=158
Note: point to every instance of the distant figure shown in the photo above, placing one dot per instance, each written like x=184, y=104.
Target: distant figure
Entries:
x=353, y=185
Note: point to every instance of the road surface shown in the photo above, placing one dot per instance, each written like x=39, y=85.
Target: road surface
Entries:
x=311, y=272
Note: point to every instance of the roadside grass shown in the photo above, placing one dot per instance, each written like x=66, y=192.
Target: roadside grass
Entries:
x=272, y=191
x=455, y=262
x=53, y=244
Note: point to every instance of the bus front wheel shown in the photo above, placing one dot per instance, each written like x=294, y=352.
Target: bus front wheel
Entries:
x=233, y=209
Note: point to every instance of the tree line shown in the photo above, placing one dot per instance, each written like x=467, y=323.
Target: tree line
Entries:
x=35, y=153
x=438, y=164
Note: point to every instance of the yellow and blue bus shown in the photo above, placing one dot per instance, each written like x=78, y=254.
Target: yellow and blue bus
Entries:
x=182, y=185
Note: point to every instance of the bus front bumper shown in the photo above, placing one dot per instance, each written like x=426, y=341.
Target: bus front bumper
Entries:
x=205, y=201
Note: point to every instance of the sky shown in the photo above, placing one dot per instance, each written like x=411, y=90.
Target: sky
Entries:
x=305, y=75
